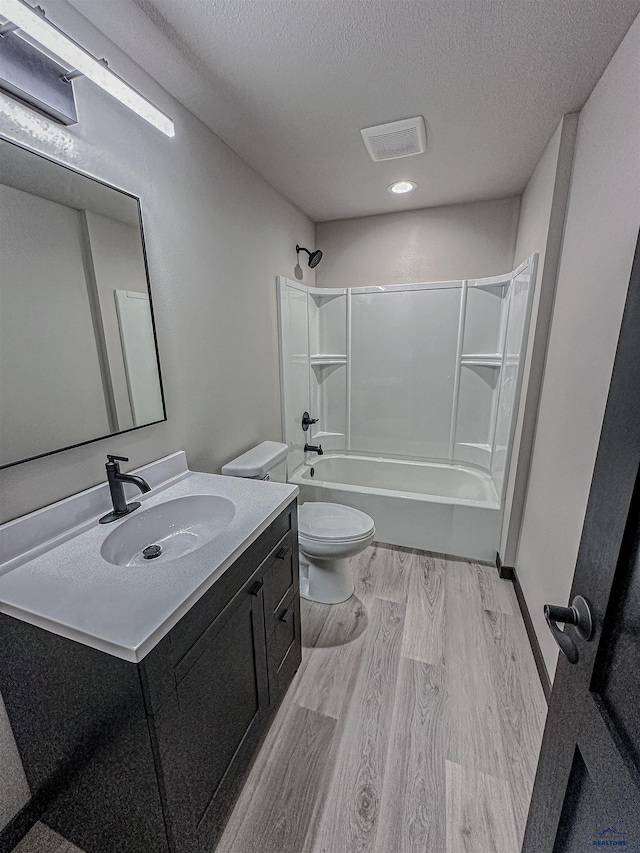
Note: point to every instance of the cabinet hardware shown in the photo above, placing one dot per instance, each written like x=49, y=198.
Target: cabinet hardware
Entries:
x=282, y=553
x=255, y=589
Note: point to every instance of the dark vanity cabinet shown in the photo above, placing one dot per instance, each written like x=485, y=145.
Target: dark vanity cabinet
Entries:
x=150, y=756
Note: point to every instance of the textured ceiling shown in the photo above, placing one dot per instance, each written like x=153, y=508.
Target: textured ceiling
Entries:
x=289, y=83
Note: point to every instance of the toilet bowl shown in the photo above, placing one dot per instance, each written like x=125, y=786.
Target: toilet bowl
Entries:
x=328, y=535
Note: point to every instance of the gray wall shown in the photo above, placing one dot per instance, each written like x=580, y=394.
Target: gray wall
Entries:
x=542, y=214
x=217, y=235
x=599, y=239
x=435, y=244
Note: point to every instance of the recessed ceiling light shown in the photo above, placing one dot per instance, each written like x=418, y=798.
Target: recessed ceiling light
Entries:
x=402, y=187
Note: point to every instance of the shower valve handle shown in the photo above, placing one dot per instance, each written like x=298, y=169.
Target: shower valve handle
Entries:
x=308, y=421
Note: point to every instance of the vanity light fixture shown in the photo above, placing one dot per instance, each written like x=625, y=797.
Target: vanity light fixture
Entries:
x=402, y=187
x=33, y=23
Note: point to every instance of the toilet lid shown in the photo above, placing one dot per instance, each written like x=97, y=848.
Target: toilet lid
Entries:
x=333, y=522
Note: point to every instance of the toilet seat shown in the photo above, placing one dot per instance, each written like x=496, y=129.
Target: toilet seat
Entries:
x=328, y=522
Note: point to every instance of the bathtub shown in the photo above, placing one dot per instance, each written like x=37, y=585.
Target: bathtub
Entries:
x=447, y=508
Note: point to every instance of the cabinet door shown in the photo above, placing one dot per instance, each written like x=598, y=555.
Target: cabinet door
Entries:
x=207, y=732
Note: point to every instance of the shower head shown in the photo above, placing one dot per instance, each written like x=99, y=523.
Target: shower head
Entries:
x=314, y=257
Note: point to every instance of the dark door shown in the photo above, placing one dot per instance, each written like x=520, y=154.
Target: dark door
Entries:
x=587, y=788
x=207, y=732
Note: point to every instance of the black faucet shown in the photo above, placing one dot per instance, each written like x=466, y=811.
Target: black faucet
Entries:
x=116, y=480
x=314, y=448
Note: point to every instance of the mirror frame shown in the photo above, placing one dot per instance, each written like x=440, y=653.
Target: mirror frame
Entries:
x=153, y=319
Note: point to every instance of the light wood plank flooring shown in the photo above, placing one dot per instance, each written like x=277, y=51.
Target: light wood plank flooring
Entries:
x=437, y=712
x=413, y=724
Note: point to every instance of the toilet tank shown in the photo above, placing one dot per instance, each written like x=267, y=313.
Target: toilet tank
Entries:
x=266, y=461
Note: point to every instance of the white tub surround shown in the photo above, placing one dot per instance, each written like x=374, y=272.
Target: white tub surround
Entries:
x=53, y=574
x=416, y=389
x=433, y=506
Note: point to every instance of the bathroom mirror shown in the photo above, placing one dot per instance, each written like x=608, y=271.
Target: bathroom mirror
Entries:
x=78, y=352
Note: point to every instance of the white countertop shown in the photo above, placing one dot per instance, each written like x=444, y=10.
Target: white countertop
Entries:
x=72, y=591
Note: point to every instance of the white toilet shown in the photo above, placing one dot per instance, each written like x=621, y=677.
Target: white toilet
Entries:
x=328, y=533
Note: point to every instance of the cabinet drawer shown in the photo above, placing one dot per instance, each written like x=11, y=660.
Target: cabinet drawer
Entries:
x=283, y=676
x=286, y=627
x=213, y=602
x=281, y=577
x=284, y=648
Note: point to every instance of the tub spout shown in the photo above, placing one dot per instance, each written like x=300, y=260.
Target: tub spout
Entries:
x=314, y=448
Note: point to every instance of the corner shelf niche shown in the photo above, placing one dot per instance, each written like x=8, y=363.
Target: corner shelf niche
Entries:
x=490, y=359
x=320, y=293
x=324, y=359
x=498, y=284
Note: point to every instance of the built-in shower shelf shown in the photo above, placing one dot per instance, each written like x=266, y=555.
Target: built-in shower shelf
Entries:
x=317, y=436
x=491, y=359
x=319, y=293
x=325, y=359
x=492, y=284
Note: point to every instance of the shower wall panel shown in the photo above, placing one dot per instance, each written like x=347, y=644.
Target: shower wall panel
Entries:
x=482, y=328
x=403, y=365
x=294, y=365
x=331, y=324
x=520, y=293
x=475, y=412
x=328, y=335
x=485, y=321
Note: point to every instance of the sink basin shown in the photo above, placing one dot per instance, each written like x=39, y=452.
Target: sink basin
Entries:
x=168, y=531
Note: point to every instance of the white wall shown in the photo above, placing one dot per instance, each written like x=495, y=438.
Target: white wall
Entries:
x=600, y=234
x=540, y=228
x=216, y=235
x=435, y=244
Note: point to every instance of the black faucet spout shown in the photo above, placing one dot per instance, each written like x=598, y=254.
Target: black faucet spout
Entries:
x=314, y=448
x=137, y=481
x=116, y=480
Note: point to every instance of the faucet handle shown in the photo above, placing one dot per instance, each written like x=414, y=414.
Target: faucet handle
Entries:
x=308, y=421
x=113, y=458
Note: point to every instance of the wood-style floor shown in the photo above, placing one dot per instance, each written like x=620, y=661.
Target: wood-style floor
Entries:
x=413, y=724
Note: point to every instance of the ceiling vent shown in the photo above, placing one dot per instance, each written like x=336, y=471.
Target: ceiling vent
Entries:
x=395, y=139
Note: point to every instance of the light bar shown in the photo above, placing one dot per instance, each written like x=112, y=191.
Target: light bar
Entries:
x=35, y=25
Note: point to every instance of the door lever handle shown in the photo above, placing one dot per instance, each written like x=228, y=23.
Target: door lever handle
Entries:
x=578, y=615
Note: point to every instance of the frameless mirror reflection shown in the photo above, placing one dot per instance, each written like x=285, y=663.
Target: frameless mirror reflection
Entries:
x=78, y=356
